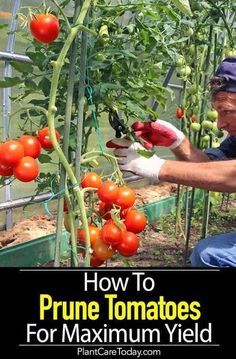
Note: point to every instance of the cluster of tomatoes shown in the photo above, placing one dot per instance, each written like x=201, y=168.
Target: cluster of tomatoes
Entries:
x=18, y=157
x=121, y=222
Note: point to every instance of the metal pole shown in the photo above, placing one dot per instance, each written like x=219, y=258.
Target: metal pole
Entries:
x=6, y=56
x=7, y=102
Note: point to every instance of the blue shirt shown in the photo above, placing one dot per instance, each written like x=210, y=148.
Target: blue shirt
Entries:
x=226, y=150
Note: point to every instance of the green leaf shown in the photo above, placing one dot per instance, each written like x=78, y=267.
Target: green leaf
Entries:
x=45, y=85
x=10, y=82
x=44, y=159
x=184, y=6
x=31, y=85
x=146, y=154
x=38, y=58
x=23, y=67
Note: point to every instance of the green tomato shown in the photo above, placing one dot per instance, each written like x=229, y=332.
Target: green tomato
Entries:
x=206, y=139
x=100, y=57
x=192, y=89
x=180, y=61
x=207, y=125
x=195, y=127
x=189, y=32
x=184, y=71
x=191, y=49
x=103, y=31
x=212, y=115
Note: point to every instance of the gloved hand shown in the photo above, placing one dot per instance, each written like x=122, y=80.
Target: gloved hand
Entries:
x=129, y=159
x=158, y=133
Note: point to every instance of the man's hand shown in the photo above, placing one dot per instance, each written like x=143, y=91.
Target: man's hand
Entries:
x=158, y=133
x=130, y=160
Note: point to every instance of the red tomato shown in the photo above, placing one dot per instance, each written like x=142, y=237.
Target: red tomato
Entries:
x=5, y=170
x=179, y=112
x=135, y=221
x=11, y=152
x=193, y=118
x=26, y=170
x=108, y=192
x=94, y=261
x=125, y=198
x=94, y=234
x=91, y=179
x=111, y=234
x=102, y=250
x=31, y=144
x=104, y=210
x=44, y=27
x=129, y=244
x=44, y=138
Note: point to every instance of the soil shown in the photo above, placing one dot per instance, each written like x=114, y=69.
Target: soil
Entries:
x=160, y=246
x=42, y=225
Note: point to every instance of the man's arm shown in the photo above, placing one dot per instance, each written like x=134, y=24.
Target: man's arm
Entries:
x=217, y=176
x=187, y=152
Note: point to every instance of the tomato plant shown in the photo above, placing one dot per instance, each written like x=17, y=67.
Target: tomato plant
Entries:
x=125, y=197
x=44, y=138
x=135, y=221
x=111, y=234
x=11, y=152
x=91, y=179
x=108, y=192
x=32, y=146
x=26, y=170
x=45, y=27
x=129, y=244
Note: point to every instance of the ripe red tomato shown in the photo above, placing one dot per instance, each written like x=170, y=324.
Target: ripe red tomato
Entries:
x=129, y=244
x=11, y=152
x=104, y=210
x=26, y=170
x=108, y=192
x=94, y=234
x=125, y=198
x=44, y=27
x=44, y=139
x=102, y=250
x=135, y=221
x=95, y=262
x=5, y=170
x=91, y=179
x=179, y=112
x=110, y=233
x=31, y=144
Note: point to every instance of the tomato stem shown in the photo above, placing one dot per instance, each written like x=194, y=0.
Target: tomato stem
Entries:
x=57, y=66
x=63, y=14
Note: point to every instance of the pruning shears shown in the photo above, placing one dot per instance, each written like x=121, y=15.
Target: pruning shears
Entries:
x=116, y=123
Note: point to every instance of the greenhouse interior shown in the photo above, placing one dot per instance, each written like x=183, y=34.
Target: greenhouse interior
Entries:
x=118, y=145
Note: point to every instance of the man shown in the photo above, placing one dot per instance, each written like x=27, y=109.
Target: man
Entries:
x=200, y=169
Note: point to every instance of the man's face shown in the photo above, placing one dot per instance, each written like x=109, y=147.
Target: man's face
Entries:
x=225, y=104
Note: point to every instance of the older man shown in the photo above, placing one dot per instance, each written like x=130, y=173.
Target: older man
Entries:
x=199, y=169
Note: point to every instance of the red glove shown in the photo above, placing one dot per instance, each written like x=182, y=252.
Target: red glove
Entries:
x=158, y=133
